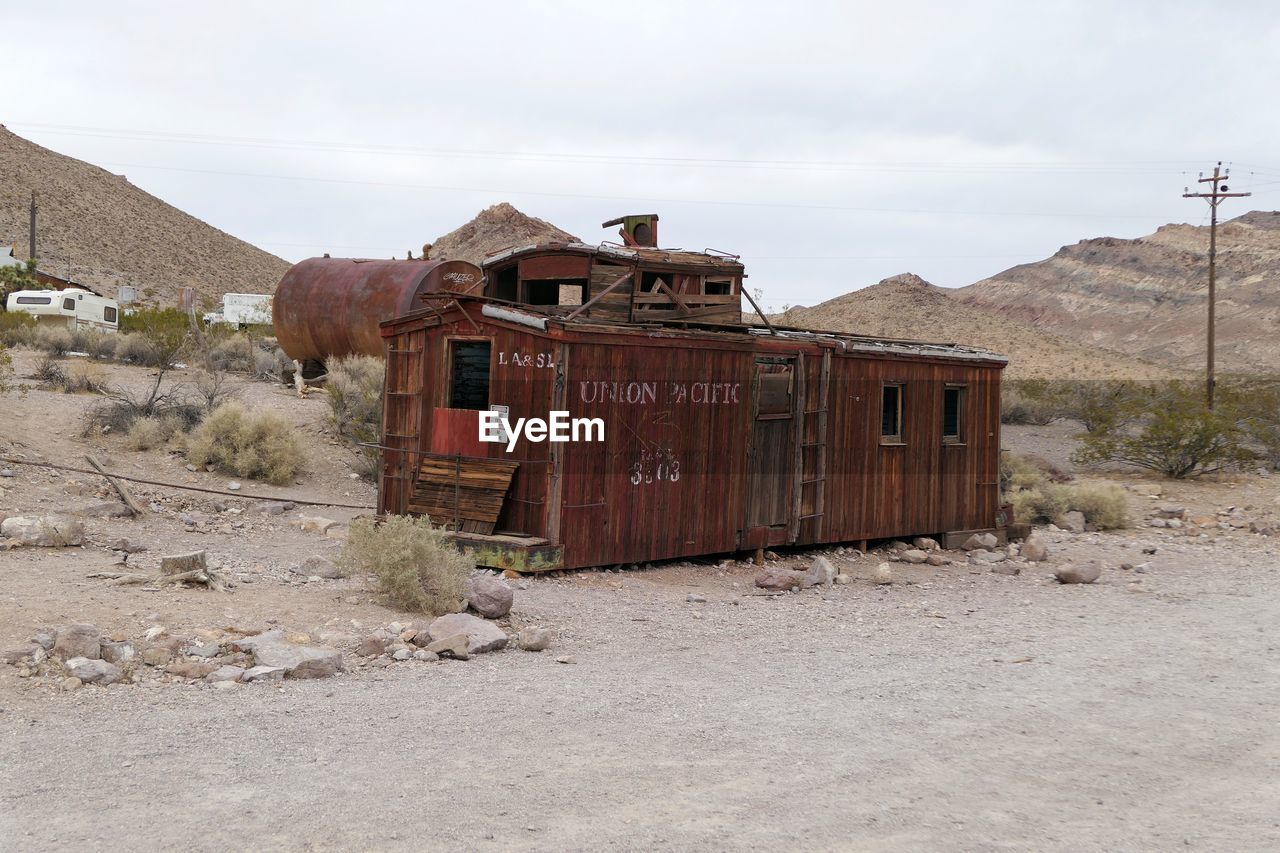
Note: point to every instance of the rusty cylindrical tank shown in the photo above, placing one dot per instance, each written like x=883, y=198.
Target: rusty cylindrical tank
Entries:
x=326, y=307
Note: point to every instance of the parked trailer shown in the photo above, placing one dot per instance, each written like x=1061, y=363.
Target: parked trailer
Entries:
x=327, y=307
x=716, y=440
x=242, y=309
x=72, y=308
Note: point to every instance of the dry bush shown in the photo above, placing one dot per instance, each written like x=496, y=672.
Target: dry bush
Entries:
x=147, y=433
x=270, y=364
x=1023, y=403
x=355, y=399
x=212, y=390
x=100, y=344
x=55, y=340
x=84, y=378
x=1036, y=491
x=16, y=328
x=1103, y=506
x=416, y=566
x=48, y=372
x=132, y=347
x=235, y=353
x=259, y=446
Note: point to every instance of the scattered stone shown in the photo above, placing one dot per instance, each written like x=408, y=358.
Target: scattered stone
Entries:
x=117, y=651
x=8, y=472
x=318, y=567
x=233, y=486
x=1087, y=573
x=156, y=656
x=1142, y=568
x=980, y=541
x=43, y=531
x=1171, y=511
x=128, y=546
x=1153, y=490
x=842, y=580
x=694, y=598
x=205, y=650
x=225, y=673
x=456, y=646
x=924, y=543
x=1007, y=569
x=914, y=555
x=263, y=675
x=1204, y=521
x=176, y=564
x=71, y=683
x=274, y=507
x=45, y=638
x=194, y=518
x=21, y=654
x=91, y=671
x=78, y=641
x=779, y=580
x=1017, y=530
x=982, y=556
x=297, y=660
x=937, y=560
x=374, y=644
x=532, y=639
x=193, y=669
x=401, y=654
x=1035, y=549
x=483, y=636
x=1173, y=524
x=424, y=655
x=821, y=573
x=883, y=574
x=107, y=509
x=489, y=596
x=1073, y=522
x=1158, y=522
x=570, y=659
x=314, y=523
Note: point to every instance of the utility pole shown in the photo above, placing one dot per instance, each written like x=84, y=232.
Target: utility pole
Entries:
x=32, y=253
x=1215, y=197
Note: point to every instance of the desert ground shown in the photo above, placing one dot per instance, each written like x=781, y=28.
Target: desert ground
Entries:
x=678, y=708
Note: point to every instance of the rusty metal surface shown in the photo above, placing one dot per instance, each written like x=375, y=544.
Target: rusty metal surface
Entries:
x=328, y=307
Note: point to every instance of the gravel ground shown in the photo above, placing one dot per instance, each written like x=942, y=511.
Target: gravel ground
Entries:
x=952, y=710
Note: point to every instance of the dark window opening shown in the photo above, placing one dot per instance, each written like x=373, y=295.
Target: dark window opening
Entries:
x=469, y=375
x=952, y=414
x=109, y=314
x=775, y=391
x=891, y=413
x=556, y=292
x=718, y=287
x=69, y=304
x=505, y=287
x=35, y=300
x=649, y=281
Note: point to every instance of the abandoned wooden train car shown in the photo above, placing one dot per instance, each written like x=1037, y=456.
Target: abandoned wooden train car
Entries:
x=716, y=439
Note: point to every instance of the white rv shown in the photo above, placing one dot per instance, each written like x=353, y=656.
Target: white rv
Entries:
x=73, y=308
x=242, y=309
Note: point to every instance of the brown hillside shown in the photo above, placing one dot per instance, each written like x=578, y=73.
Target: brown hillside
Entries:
x=493, y=229
x=907, y=306
x=1148, y=296
x=117, y=234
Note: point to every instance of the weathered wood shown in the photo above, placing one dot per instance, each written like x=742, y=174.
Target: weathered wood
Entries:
x=118, y=485
x=601, y=295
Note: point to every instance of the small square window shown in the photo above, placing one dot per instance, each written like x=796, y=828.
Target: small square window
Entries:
x=891, y=414
x=953, y=414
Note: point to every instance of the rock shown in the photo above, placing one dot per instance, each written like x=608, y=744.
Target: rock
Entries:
x=156, y=656
x=424, y=655
x=924, y=543
x=274, y=507
x=1007, y=569
x=297, y=660
x=374, y=644
x=1087, y=573
x=205, y=650
x=987, y=556
x=842, y=580
x=1152, y=490
x=983, y=541
x=176, y=564
x=569, y=659
x=489, y=596
x=1204, y=521
x=21, y=654
x=263, y=675
x=1035, y=549
x=1017, y=530
x=1158, y=522
x=233, y=486
x=1073, y=521
x=193, y=669
x=117, y=651
x=401, y=654
x=883, y=574
x=8, y=472
x=1142, y=568
x=1171, y=511
x=937, y=560
x=44, y=531
x=78, y=641
x=914, y=555
x=318, y=567
x=91, y=671
x=483, y=636
x=456, y=646
x=194, y=518
x=821, y=573
x=694, y=598
x=107, y=509
x=128, y=546
x=226, y=686
x=45, y=638
x=225, y=673
x=532, y=639
x=314, y=523
x=779, y=580
x=1173, y=524
x=71, y=683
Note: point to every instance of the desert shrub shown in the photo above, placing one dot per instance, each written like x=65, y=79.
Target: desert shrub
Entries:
x=1103, y=506
x=1039, y=505
x=147, y=433
x=259, y=446
x=1025, y=471
x=6, y=370
x=100, y=344
x=155, y=322
x=270, y=364
x=235, y=353
x=123, y=407
x=84, y=378
x=1097, y=404
x=1173, y=434
x=355, y=401
x=416, y=566
x=1022, y=403
x=48, y=372
x=1254, y=404
x=212, y=390
x=16, y=328
x=55, y=340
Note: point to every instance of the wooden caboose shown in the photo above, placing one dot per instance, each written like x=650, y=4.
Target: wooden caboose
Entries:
x=718, y=437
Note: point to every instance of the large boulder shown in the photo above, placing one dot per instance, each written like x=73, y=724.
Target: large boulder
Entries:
x=534, y=639
x=1088, y=573
x=45, y=531
x=93, y=671
x=821, y=573
x=296, y=659
x=78, y=641
x=1073, y=521
x=482, y=636
x=980, y=541
x=489, y=596
x=1035, y=548
x=914, y=555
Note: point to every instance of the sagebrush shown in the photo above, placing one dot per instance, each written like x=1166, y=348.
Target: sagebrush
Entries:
x=417, y=568
x=355, y=400
x=259, y=446
x=1038, y=493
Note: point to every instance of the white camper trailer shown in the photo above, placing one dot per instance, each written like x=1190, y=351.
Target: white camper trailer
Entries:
x=242, y=309
x=73, y=308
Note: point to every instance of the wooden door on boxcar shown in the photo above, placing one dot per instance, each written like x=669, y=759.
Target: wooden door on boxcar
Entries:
x=771, y=458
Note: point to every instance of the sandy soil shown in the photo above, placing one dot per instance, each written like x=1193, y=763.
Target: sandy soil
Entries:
x=955, y=709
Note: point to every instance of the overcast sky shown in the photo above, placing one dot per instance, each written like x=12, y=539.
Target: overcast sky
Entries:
x=830, y=144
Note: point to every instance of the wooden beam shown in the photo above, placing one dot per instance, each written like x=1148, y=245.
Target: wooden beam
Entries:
x=747, y=294
x=117, y=485
x=593, y=300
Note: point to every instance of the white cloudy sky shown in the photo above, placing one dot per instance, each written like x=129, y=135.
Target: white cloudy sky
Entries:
x=832, y=144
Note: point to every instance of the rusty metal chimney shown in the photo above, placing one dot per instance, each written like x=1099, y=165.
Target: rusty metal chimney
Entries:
x=639, y=229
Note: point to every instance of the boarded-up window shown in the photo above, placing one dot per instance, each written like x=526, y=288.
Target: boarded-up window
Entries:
x=953, y=414
x=774, y=394
x=891, y=414
x=469, y=375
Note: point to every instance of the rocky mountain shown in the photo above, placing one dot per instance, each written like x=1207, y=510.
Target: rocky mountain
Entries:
x=116, y=234
x=907, y=306
x=1148, y=297
x=493, y=229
